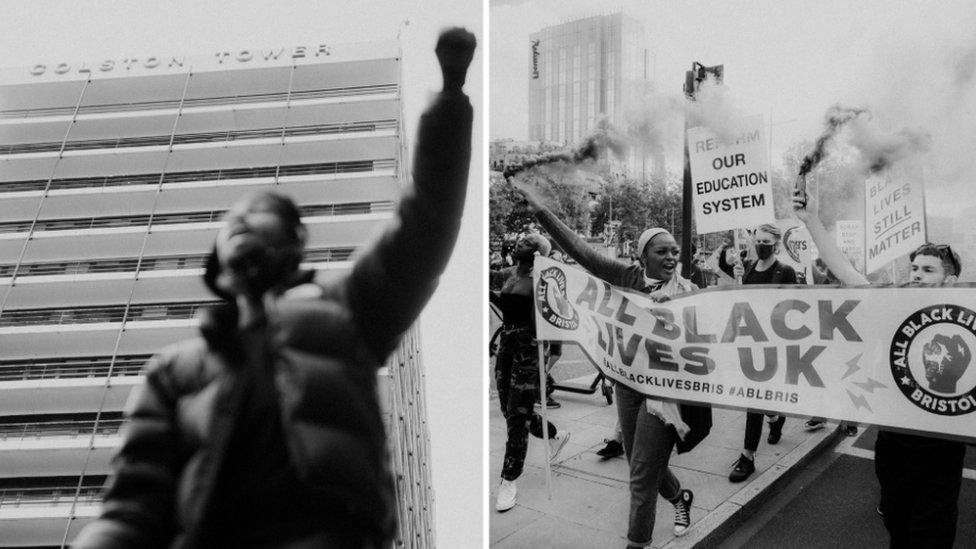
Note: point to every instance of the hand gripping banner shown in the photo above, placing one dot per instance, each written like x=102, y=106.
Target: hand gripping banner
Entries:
x=899, y=357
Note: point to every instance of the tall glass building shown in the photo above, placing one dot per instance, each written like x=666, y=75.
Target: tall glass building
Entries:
x=114, y=174
x=585, y=70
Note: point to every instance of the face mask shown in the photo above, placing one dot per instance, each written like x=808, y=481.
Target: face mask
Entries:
x=764, y=251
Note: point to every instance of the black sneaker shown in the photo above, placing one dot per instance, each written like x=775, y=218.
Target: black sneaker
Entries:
x=813, y=425
x=776, y=430
x=611, y=450
x=850, y=430
x=742, y=468
x=682, y=512
x=550, y=404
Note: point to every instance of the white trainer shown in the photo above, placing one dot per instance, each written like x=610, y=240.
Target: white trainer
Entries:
x=506, y=496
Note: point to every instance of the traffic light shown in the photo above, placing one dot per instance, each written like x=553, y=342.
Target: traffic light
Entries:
x=698, y=74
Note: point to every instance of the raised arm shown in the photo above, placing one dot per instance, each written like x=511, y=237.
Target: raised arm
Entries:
x=829, y=252
x=601, y=266
x=391, y=283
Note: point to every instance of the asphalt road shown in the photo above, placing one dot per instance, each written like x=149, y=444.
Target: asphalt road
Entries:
x=832, y=504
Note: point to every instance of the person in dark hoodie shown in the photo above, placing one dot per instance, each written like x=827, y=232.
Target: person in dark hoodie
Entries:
x=266, y=430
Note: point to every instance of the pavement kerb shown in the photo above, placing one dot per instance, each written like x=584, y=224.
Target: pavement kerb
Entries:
x=718, y=524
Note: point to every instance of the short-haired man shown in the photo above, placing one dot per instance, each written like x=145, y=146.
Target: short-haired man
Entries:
x=920, y=476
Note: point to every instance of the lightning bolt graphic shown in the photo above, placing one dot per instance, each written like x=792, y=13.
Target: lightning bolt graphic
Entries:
x=870, y=385
x=858, y=401
x=852, y=366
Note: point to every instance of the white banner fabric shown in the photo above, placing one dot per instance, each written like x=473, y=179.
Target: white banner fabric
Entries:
x=896, y=357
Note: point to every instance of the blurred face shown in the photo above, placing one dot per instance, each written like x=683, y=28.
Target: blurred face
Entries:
x=524, y=249
x=249, y=228
x=928, y=269
x=661, y=257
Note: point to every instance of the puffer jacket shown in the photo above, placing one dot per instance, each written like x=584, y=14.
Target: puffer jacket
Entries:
x=327, y=342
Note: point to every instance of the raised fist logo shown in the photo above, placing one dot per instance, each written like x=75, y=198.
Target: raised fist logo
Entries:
x=552, y=300
x=946, y=360
x=556, y=300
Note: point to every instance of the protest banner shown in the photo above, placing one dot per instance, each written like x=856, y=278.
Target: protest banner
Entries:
x=894, y=214
x=897, y=357
x=730, y=178
x=850, y=240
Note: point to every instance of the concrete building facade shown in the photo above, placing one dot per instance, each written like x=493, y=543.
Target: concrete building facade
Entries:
x=114, y=175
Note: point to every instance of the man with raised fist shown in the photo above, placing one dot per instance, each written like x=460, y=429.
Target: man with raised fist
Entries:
x=266, y=430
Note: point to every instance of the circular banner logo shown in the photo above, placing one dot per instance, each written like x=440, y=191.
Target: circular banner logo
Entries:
x=931, y=356
x=550, y=296
x=795, y=242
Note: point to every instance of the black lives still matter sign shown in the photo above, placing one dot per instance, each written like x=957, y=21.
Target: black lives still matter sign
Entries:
x=931, y=359
x=730, y=185
x=894, y=213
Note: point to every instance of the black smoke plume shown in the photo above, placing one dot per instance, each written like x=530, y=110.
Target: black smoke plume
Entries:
x=603, y=139
x=835, y=118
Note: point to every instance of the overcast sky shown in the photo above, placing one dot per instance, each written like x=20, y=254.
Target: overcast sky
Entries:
x=55, y=31
x=911, y=63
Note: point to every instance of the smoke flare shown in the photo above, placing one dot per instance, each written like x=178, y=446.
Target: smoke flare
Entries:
x=879, y=150
x=835, y=118
x=604, y=138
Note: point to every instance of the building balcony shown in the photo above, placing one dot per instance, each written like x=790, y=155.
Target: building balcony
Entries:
x=328, y=228
x=40, y=512
x=270, y=146
x=54, y=445
x=179, y=141
x=93, y=282
x=347, y=182
x=53, y=385
x=72, y=384
x=103, y=338
x=329, y=105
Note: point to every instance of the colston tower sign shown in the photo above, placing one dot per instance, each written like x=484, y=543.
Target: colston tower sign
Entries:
x=128, y=64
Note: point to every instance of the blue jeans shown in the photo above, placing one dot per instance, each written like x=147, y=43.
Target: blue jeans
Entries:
x=647, y=443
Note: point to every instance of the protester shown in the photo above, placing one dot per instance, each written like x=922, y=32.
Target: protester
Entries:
x=266, y=430
x=517, y=367
x=766, y=269
x=920, y=476
x=495, y=261
x=650, y=427
x=697, y=274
